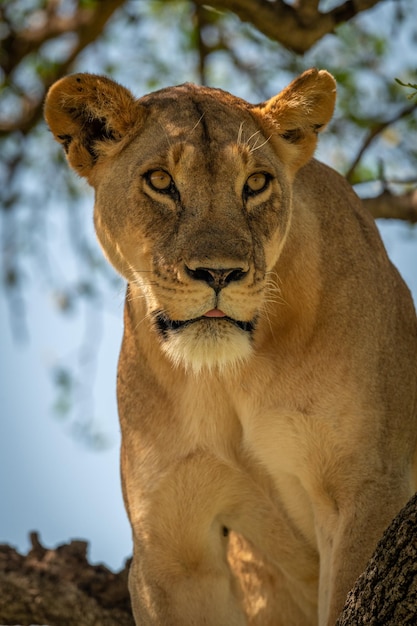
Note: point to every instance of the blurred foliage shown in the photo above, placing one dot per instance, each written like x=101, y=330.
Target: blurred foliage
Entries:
x=411, y=85
x=46, y=234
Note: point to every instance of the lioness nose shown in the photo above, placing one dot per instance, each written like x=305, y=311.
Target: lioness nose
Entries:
x=217, y=278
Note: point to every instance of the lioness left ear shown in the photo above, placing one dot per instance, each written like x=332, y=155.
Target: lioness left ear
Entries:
x=301, y=111
x=87, y=114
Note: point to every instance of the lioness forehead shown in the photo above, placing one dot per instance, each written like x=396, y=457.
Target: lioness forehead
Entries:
x=191, y=112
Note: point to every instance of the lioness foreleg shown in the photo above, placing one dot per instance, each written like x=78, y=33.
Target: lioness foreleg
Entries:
x=180, y=575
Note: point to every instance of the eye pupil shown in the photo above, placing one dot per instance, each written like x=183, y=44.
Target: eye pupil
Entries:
x=257, y=182
x=160, y=180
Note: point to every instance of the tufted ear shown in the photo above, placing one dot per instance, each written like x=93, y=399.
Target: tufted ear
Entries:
x=301, y=111
x=89, y=115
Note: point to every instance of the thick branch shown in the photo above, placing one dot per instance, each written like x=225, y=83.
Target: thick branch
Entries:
x=61, y=587
x=386, y=593
x=390, y=206
x=200, y=17
x=296, y=27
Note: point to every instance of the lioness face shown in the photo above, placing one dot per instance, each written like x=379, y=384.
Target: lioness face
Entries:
x=201, y=221
x=192, y=199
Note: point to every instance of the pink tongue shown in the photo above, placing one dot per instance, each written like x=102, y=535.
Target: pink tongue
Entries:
x=214, y=313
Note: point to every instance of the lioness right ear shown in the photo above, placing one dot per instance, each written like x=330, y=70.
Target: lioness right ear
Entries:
x=87, y=114
x=299, y=113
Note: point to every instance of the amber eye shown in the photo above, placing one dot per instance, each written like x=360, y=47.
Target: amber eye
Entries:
x=257, y=182
x=160, y=180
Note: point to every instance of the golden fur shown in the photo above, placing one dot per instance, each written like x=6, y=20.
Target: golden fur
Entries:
x=267, y=378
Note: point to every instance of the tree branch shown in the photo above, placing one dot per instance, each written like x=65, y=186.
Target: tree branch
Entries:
x=296, y=27
x=86, y=24
x=307, y=10
x=200, y=20
x=386, y=593
x=390, y=206
x=375, y=130
x=18, y=44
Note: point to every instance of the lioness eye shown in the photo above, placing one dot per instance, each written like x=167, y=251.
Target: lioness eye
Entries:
x=160, y=180
x=257, y=182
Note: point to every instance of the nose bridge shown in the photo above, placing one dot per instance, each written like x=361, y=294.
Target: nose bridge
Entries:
x=219, y=245
x=217, y=235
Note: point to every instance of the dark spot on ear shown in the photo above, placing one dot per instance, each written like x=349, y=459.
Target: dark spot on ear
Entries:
x=78, y=79
x=225, y=531
x=65, y=140
x=95, y=129
x=292, y=135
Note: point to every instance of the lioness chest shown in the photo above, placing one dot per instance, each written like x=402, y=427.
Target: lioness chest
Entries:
x=271, y=429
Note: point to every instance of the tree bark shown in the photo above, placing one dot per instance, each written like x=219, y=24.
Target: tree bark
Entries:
x=386, y=593
x=60, y=588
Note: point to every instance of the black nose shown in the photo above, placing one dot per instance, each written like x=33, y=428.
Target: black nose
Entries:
x=217, y=278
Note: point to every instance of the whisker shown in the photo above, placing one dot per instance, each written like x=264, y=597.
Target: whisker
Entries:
x=265, y=311
x=255, y=147
x=166, y=134
x=253, y=135
x=197, y=123
x=239, y=134
x=273, y=289
x=147, y=315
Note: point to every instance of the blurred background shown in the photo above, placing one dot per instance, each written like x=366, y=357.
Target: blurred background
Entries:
x=60, y=304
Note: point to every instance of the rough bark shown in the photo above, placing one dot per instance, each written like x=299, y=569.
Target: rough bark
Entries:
x=386, y=593
x=60, y=588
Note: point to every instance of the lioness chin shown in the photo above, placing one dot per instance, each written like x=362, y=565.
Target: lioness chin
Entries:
x=268, y=373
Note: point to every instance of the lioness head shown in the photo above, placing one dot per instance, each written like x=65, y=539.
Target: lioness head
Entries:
x=193, y=198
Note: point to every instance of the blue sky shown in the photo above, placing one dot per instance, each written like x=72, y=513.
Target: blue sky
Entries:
x=51, y=481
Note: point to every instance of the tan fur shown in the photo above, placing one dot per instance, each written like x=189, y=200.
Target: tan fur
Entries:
x=261, y=461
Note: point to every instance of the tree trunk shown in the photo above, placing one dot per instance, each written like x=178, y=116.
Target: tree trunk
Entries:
x=386, y=593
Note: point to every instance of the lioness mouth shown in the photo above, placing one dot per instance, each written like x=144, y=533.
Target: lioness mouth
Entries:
x=165, y=324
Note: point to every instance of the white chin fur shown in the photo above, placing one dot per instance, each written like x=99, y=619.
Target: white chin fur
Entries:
x=210, y=345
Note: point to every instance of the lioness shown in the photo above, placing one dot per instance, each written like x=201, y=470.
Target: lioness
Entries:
x=268, y=373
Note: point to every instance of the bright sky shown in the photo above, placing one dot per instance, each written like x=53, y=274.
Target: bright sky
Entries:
x=49, y=480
